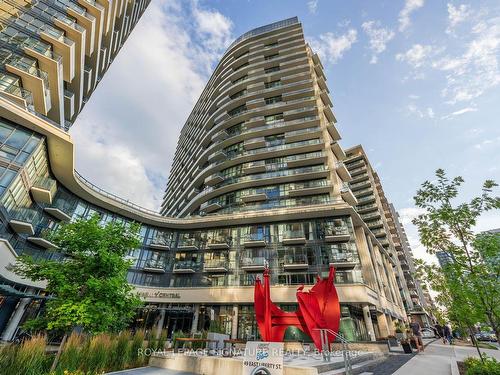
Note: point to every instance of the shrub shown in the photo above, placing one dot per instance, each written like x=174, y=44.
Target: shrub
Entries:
x=137, y=343
x=71, y=356
x=8, y=355
x=121, y=351
x=31, y=358
x=96, y=353
x=476, y=367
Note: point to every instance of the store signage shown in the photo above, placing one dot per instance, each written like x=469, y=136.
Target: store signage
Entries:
x=159, y=294
x=263, y=358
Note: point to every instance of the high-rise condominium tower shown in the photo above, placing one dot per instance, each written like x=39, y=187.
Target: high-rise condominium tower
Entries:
x=258, y=178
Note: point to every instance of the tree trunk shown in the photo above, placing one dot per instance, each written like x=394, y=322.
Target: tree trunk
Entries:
x=59, y=351
x=474, y=342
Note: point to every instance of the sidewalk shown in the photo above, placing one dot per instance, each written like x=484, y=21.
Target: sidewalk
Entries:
x=437, y=359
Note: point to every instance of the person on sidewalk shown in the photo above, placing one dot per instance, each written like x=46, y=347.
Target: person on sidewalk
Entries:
x=417, y=333
x=447, y=333
x=440, y=332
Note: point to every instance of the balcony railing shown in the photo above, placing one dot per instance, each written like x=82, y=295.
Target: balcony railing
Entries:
x=295, y=262
x=216, y=265
x=188, y=244
x=294, y=237
x=186, y=266
x=155, y=265
x=250, y=263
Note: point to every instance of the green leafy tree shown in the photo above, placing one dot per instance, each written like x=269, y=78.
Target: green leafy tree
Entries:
x=88, y=286
x=469, y=286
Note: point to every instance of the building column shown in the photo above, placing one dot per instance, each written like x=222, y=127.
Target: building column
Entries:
x=382, y=325
x=234, y=325
x=368, y=322
x=390, y=324
x=194, y=326
x=10, y=330
x=161, y=321
x=6, y=310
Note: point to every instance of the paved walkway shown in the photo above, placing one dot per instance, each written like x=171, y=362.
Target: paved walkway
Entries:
x=150, y=371
x=437, y=359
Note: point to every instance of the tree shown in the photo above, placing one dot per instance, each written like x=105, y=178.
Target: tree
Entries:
x=468, y=286
x=88, y=286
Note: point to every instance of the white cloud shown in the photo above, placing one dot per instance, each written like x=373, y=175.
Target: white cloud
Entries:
x=409, y=213
x=332, y=47
x=460, y=112
x=412, y=109
x=487, y=142
x=476, y=70
x=457, y=15
x=131, y=125
x=416, y=56
x=408, y=9
x=312, y=5
x=379, y=37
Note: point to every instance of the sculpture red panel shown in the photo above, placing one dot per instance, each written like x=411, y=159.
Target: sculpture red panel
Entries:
x=319, y=308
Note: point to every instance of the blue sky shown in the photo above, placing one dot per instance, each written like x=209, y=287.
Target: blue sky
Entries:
x=416, y=82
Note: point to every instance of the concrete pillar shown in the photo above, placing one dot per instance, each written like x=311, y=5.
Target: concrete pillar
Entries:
x=234, y=325
x=10, y=330
x=368, y=323
x=390, y=324
x=194, y=326
x=159, y=324
x=382, y=325
x=8, y=306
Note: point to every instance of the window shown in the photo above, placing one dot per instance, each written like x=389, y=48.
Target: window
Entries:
x=276, y=83
x=237, y=110
x=272, y=69
x=271, y=45
x=271, y=57
x=241, y=66
x=241, y=79
x=271, y=119
x=274, y=99
x=238, y=94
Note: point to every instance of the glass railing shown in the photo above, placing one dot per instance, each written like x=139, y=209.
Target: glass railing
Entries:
x=187, y=265
x=364, y=191
x=250, y=261
x=366, y=206
x=265, y=29
x=284, y=173
x=155, y=264
x=356, y=164
x=255, y=237
x=284, y=203
x=341, y=258
x=45, y=183
x=114, y=197
x=370, y=216
x=303, y=131
x=345, y=187
x=185, y=242
x=219, y=240
x=295, y=259
x=308, y=185
x=216, y=263
x=365, y=199
x=337, y=231
x=291, y=234
x=362, y=183
x=375, y=223
x=24, y=214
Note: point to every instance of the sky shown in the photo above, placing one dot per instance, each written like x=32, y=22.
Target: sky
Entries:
x=416, y=82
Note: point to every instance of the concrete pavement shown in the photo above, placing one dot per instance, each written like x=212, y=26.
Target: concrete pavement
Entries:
x=438, y=359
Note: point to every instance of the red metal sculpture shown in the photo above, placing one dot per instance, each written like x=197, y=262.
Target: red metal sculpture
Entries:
x=319, y=308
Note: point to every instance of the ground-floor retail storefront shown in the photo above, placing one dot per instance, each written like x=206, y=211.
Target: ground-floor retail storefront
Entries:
x=238, y=321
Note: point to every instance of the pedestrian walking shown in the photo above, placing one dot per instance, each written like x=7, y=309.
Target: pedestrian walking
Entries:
x=417, y=334
x=447, y=333
x=440, y=332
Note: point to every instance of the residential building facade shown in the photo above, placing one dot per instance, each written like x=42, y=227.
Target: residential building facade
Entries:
x=258, y=178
